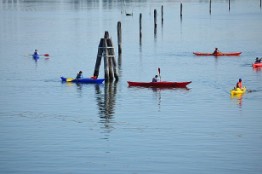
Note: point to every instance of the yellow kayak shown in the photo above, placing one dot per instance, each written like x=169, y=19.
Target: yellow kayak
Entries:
x=238, y=91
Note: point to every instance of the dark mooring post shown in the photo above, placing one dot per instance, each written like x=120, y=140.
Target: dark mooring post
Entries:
x=98, y=58
x=105, y=54
x=140, y=27
x=229, y=5
x=210, y=6
x=162, y=14
x=155, y=21
x=181, y=8
x=106, y=50
x=112, y=61
x=119, y=37
x=260, y=3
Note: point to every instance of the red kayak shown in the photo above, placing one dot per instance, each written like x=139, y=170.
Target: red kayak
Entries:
x=257, y=65
x=218, y=54
x=162, y=84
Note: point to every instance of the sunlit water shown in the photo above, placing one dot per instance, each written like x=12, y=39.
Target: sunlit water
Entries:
x=51, y=127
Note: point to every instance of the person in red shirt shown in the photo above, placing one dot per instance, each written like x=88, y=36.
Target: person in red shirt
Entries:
x=239, y=84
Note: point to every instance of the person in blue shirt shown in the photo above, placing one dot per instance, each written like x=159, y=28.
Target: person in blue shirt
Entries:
x=35, y=55
x=155, y=79
x=79, y=75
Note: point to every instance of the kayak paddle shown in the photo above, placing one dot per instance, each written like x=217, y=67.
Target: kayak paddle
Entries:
x=159, y=74
x=46, y=55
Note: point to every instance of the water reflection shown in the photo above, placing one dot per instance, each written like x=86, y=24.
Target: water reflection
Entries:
x=106, y=102
x=238, y=98
x=257, y=69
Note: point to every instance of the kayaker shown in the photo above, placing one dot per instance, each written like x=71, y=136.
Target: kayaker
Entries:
x=79, y=75
x=239, y=84
x=258, y=60
x=94, y=77
x=155, y=79
x=216, y=51
x=35, y=53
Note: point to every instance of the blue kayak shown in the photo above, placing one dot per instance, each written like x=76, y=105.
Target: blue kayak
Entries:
x=82, y=80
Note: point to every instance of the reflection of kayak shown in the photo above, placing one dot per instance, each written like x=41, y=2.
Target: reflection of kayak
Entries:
x=256, y=65
x=238, y=91
x=218, y=54
x=82, y=80
x=162, y=84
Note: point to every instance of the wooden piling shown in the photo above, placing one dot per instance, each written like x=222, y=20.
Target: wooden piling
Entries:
x=155, y=18
x=106, y=50
x=140, y=26
x=260, y=3
x=181, y=8
x=105, y=53
x=155, y=21
x=119, y=37
x=98, y=58
x=112, y=60
x=162, y=14
x=210, y=6
x=229, y=5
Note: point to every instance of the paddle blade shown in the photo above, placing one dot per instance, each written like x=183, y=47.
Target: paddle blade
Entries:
x=46, y=55
x=159, y=71
x=69, y=79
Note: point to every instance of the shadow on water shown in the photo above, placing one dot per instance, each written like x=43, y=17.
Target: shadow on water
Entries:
x=106, y=102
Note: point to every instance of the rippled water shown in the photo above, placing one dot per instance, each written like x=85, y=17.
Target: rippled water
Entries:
x=51, y=127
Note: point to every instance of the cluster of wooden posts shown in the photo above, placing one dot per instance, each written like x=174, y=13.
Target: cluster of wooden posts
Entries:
x=106, y=49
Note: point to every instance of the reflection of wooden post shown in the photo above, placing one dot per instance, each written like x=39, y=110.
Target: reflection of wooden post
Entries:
x=106, y=102
x=229, y=5
x=260, y=3
x=106, y=50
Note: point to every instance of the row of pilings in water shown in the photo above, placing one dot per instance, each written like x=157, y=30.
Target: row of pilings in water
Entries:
x=106, y=48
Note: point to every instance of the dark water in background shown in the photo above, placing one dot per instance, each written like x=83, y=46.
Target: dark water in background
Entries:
x=50, y=127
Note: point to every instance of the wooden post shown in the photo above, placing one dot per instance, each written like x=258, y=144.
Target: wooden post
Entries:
x=105, y=52
x=155, y=21
x=229, y=5
x=113, y=65
x=181, y=8
x=162, y=14
x=119, y=37
x=260, y=3
x=140, y=26
x=210, y=6
x=98, y=58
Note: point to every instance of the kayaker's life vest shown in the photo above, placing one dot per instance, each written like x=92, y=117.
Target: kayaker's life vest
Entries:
x=239, y=85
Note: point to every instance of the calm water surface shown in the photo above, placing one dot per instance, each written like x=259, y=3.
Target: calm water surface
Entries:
x=51, y=127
